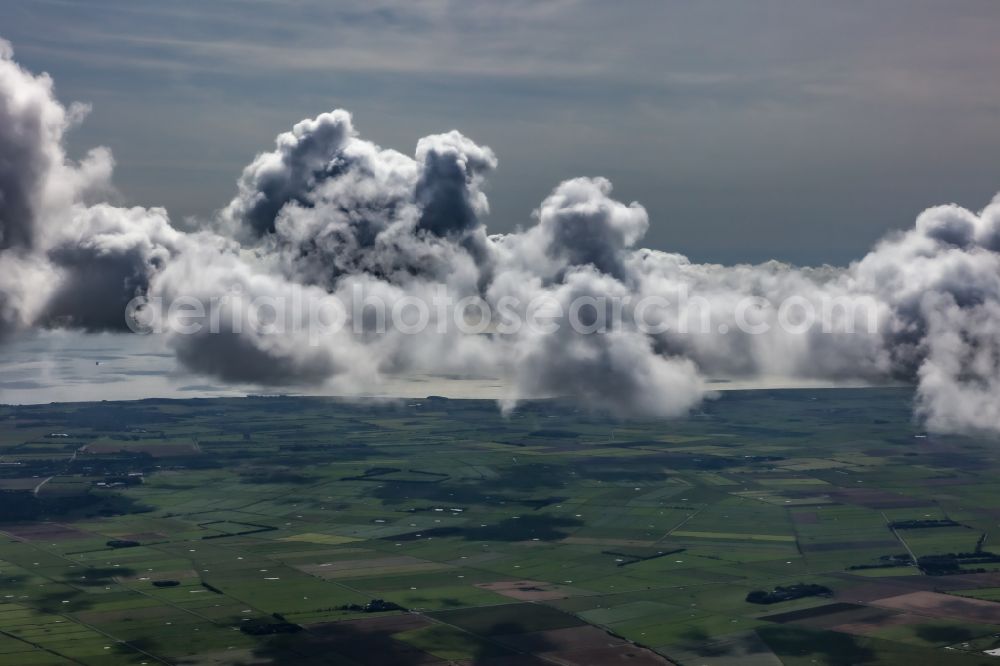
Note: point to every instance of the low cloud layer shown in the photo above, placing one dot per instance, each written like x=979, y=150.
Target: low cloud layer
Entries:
x=327, y=218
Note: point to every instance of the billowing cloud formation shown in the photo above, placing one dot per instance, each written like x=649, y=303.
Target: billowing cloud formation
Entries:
x=327, y=226
x=64, y=262
x=325, y=203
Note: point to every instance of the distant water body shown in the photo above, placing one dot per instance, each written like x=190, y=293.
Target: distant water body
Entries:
x=57, y=366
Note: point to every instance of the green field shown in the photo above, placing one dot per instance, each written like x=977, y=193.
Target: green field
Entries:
x=256, y=531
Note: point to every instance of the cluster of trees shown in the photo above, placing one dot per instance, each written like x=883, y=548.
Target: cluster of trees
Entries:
x=901, y=560
x=920, y=524
x=25, y=506
x=268, y=627
x=952, y=563
x=373, y=606
x=797, y=591
x=122, y=543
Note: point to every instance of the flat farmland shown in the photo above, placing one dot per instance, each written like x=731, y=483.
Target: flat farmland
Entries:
x=274, y=530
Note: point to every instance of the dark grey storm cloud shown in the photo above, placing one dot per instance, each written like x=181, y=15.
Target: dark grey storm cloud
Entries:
x=328, y=218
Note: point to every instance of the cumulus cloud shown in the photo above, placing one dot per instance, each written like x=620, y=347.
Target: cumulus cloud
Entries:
x=579, y=224
x=328, y=234
x=241, y=346
x=31, y=126
x=447, y=190
x=64, y=261
x=313, y=151
x=326, y=203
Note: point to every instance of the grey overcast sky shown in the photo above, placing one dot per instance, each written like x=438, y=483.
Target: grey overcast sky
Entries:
x=800, y=130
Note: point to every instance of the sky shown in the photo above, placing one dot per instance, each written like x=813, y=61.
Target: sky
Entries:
x=799, y=130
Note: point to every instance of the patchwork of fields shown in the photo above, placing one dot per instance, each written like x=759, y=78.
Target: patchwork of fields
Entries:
x=263, y=530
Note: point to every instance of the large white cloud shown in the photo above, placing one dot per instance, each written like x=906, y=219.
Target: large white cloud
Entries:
x=65, y=260
x=327, y=219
